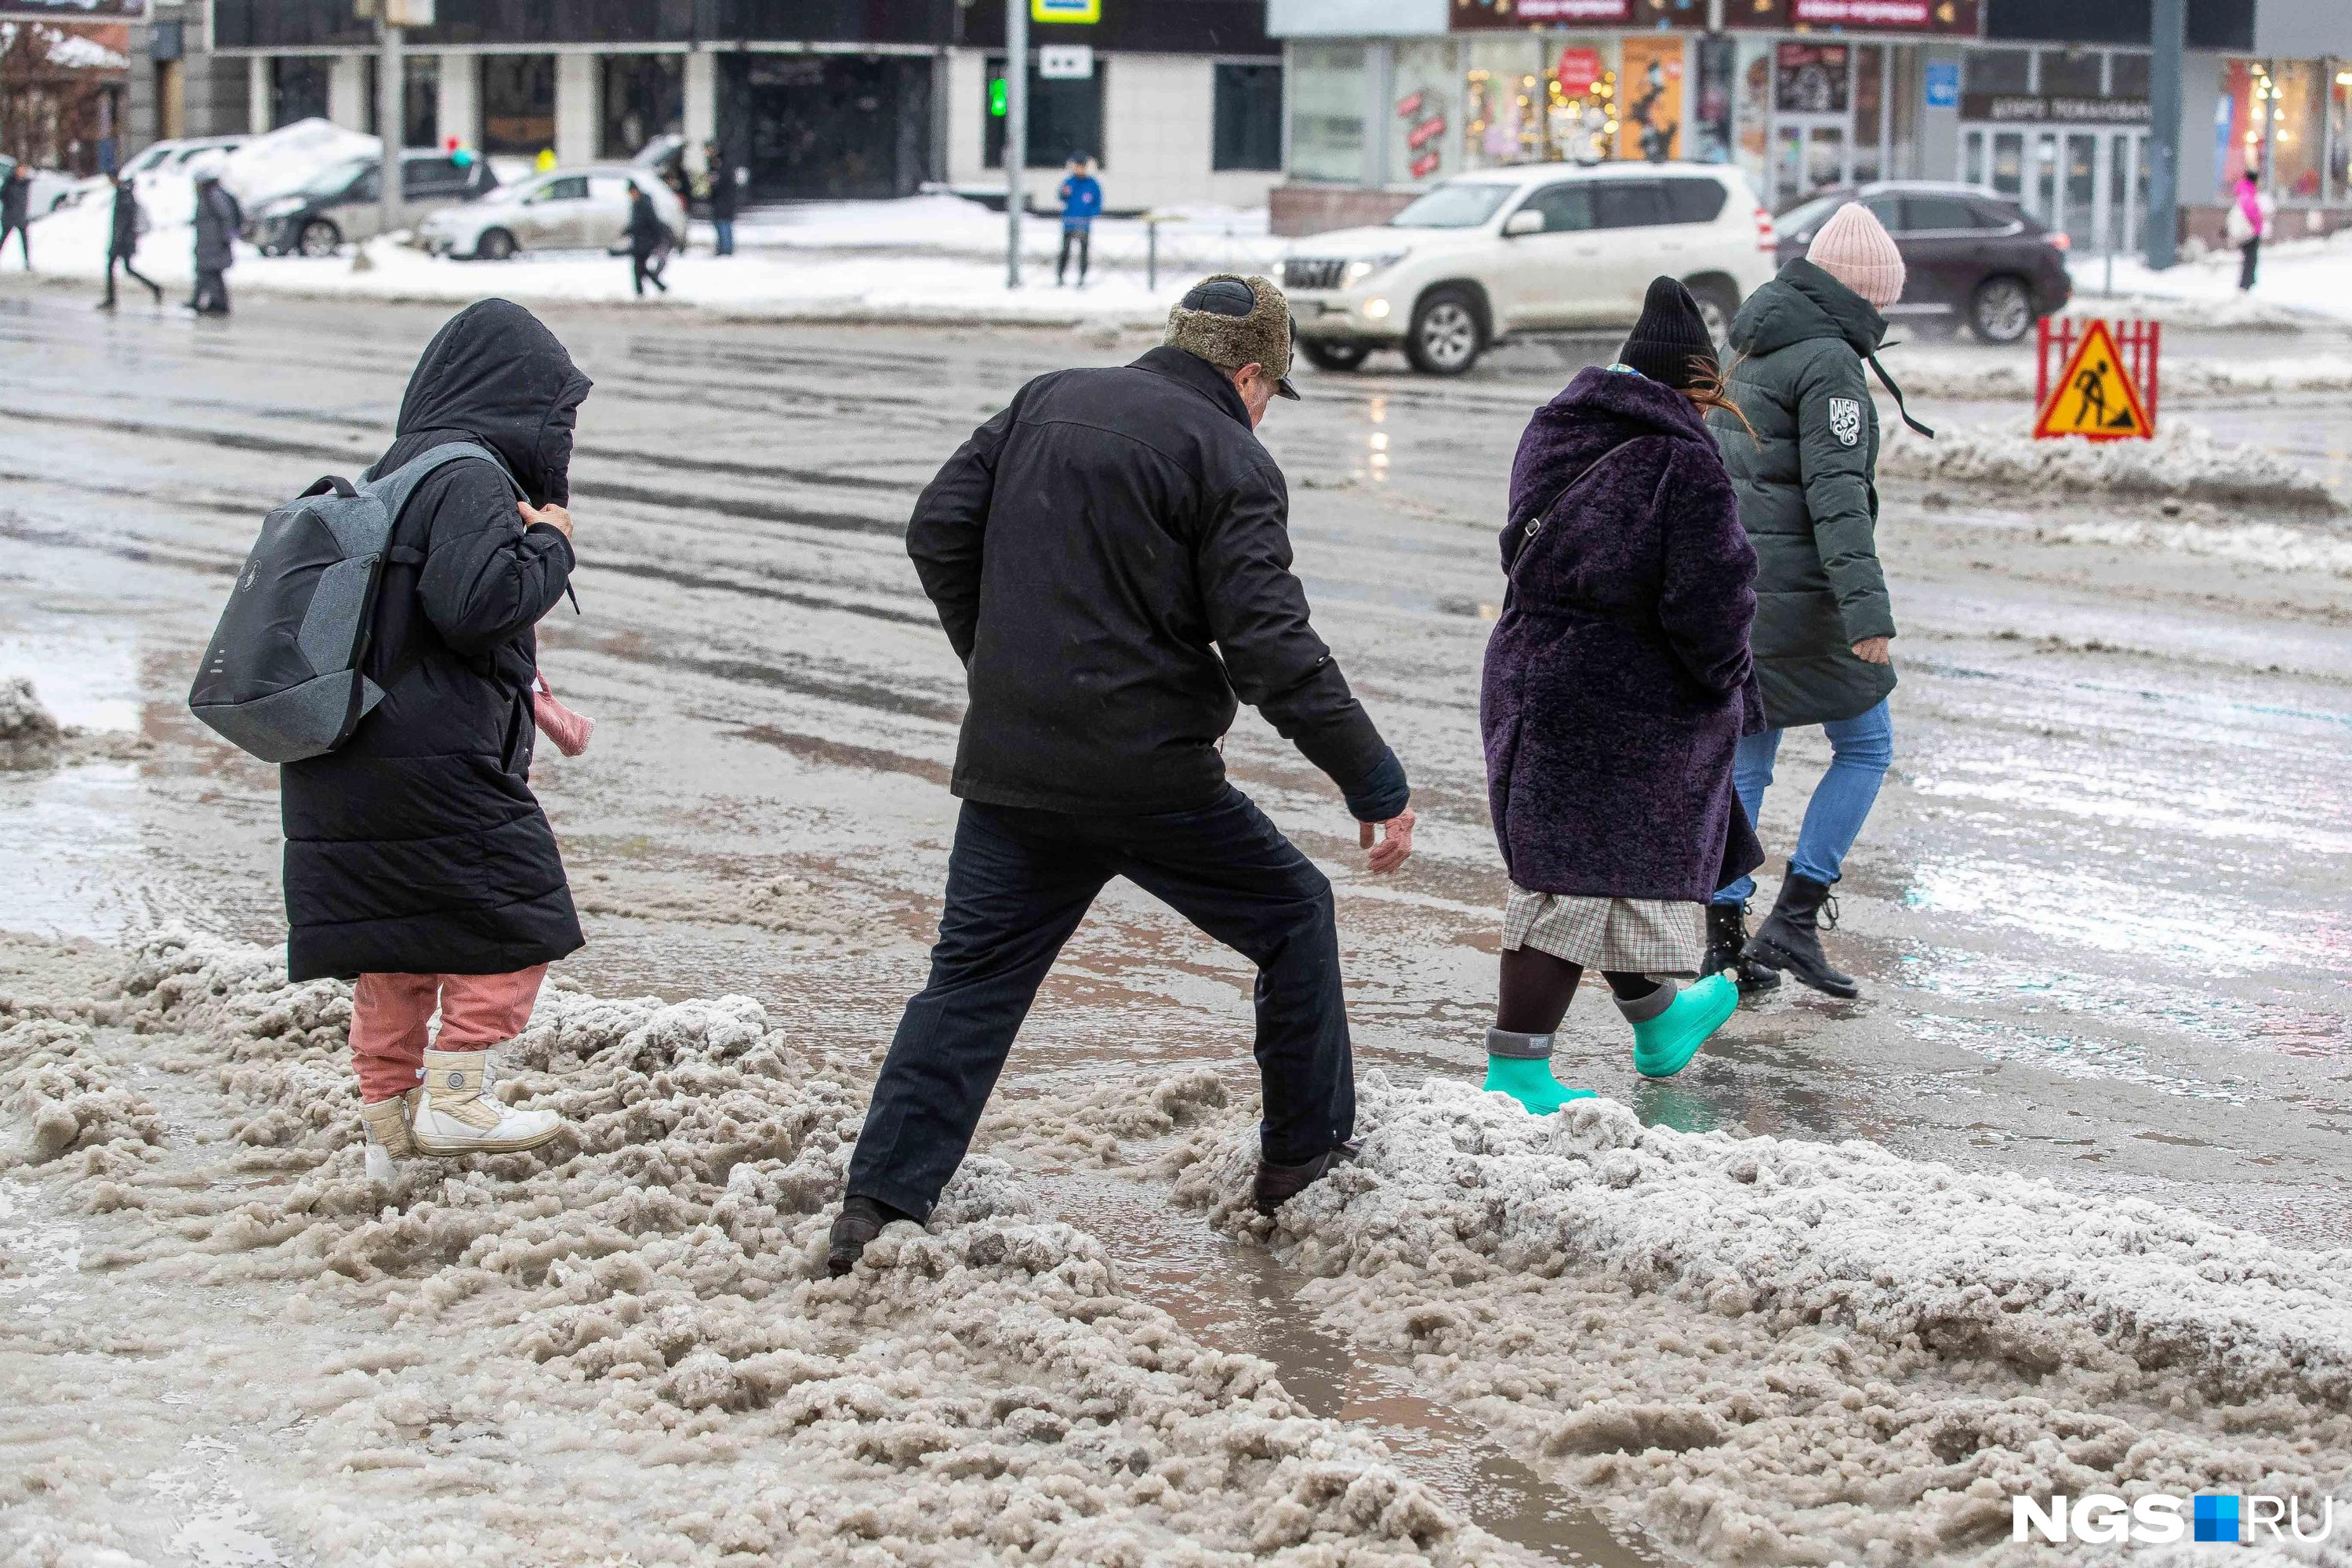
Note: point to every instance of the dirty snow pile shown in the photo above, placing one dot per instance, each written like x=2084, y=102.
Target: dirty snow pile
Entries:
x=1769, y=1351
x=29, y=735
x=1955, y=375
x=620, y=1349
x=2182, y=461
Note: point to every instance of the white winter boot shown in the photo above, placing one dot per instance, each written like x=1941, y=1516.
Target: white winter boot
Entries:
x=458, y=1115
x=386, y=1122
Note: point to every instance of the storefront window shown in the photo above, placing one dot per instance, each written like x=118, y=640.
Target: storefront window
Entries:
x=1999, y=71
x=1751, y=116
x=1500, y=74
x=2298, y=130
x=1248, y=117
x=2127, y=75
x=1425, y=137
x=1327, y=111
x=2339, y=140
x=1869, y=110
x=420, y=103
x=644, y=97
x=297, y=89
x=1651, y=101
x=2073, y=73
x=518, y=103
x=1578, y=89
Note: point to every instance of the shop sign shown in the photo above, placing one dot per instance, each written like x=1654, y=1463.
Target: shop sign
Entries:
x=1810, y=78
x=2047, y=109
x=1065, y=62
x=1961, y=17
x=1579, y=72
x=1065, y=10
x=1480, y=14
x=1943, y=84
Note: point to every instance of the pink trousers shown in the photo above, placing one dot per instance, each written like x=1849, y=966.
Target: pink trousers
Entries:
x=390, y=1012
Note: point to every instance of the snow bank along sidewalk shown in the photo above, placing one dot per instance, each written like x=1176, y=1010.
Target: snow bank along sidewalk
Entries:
x=620, y=1349
x=2181, y=462
x=1777, y=1351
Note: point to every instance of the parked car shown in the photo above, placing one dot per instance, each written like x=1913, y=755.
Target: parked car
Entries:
x=1970, y=254
x=52, y=189
x=563, y=209
x=155, y=158
x=1504, y=253
x=344, y=201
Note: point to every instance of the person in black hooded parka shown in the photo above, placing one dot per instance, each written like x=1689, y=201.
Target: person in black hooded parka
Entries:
x=417, y=860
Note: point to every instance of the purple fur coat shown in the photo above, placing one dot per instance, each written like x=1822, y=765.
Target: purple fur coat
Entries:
x=1618, y=681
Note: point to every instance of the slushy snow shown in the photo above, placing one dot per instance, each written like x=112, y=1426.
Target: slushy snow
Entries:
x=1770, y=1351
x=622, y=1349
x=2182, y=461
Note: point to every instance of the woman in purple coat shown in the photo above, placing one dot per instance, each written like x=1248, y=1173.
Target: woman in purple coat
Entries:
x=1617, y=688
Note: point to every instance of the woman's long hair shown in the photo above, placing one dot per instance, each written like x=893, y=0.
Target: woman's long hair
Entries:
x=1707, y=391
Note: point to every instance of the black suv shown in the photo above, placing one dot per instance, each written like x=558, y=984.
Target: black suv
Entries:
x=1970, y=254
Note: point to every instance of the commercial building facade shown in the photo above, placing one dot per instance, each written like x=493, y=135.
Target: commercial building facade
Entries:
x=2046, y=100
x=819, y=98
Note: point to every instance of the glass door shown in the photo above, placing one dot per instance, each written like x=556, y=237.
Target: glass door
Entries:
x=2083, y=213
x=1809, y=154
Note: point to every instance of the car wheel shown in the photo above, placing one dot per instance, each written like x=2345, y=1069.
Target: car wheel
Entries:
x=1447, y=333
x=319, y=238
x=495, y=245
x=1334, y=357
x=2002, y=311
x=1717, y=303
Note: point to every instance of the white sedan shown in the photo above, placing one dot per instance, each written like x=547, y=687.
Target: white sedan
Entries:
x=564, y=209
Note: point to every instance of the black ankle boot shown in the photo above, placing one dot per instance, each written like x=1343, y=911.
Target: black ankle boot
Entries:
x=860, y=1221
x=1790, y=937
x=1727, y=948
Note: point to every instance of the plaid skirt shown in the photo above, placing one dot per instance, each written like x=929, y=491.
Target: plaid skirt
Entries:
x=1629, y=936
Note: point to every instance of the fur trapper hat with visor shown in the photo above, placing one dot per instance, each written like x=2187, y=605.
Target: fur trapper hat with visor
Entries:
x=1231, y=320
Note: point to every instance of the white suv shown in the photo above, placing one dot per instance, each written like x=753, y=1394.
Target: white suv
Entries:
x=1543, y=247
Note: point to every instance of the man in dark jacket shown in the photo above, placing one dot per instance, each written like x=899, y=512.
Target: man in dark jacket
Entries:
x=1807, y=497
x=15, y=207
x=123, y=243
x=648, y=238
x=218, y=221
x=1110, y=558
x=417, y=860
x=726, y=197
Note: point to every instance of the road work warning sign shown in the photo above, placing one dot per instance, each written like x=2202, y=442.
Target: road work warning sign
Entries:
x=2094, y=395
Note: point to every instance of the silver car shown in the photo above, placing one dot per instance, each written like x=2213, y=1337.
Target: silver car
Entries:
x=344, y=201
x=564, y=209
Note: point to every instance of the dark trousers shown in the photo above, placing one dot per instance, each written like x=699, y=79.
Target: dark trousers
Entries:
x=128, y=271
x=24, y=234
x=1084, y=238
x=644, y=266
x=212, y=292
x=2248, y=254
x=1018, y=884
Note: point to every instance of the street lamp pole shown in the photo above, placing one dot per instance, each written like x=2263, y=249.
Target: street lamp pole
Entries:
x=391, y=118
x=1016, y=131
x=2169, y=38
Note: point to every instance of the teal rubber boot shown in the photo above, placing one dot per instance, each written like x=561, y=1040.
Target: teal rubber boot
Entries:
x=1664, y=1045
x=1520, y=1066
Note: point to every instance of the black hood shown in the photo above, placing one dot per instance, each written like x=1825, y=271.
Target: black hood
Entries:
x=495, y=374
x=1803, y=303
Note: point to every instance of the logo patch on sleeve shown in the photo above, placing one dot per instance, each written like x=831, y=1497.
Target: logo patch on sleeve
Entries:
x=1845, y=420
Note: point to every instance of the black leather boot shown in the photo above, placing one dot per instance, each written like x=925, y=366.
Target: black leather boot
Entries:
x=1727, y=948
x=1277, y=1184
x=860, y=1221
x=1790, y=936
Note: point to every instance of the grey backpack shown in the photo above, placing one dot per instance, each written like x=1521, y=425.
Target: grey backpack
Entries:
x=281, y=678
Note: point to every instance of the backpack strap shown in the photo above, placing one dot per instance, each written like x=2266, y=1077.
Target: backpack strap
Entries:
x=394, y=489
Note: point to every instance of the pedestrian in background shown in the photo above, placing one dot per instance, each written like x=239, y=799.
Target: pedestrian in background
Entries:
x=1617, y=688
x=418, y=863
x=218, y=222
x=2248, y=223
x=15, y=206
x=1082, y=202
x=123, y=242
x=1806, y=479
x=726, y=197
x=649, y=239
x=1110, y=558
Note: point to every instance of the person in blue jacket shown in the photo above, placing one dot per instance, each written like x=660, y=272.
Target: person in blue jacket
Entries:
x=1081, y=203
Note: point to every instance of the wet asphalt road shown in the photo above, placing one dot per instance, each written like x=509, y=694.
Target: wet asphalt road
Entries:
x=2101, y=914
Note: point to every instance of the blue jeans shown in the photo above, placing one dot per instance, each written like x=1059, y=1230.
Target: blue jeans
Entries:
x=1019, y=883
x=1861, y=749
x=726, y=227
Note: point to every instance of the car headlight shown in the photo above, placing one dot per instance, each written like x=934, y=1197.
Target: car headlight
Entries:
x=1364, y=267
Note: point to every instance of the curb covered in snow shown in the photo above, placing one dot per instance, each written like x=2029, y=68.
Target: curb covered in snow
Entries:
x=2181, y=461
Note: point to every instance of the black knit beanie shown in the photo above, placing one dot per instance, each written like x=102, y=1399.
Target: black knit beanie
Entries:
x=1669, y=336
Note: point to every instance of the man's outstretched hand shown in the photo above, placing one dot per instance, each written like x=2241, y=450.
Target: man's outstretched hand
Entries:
x=1395, y=845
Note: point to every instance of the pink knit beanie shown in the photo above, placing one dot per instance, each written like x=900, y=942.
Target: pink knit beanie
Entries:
x=1853, y=248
